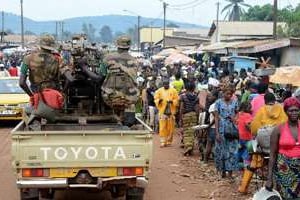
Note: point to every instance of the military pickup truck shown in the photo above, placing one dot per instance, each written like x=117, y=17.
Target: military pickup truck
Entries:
x=104, y=157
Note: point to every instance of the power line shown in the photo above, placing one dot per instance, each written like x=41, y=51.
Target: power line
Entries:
x=184, y=4
x=190, y=6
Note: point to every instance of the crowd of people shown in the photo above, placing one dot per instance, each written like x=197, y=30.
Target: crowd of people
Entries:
x=239, y=120
x=245, y=123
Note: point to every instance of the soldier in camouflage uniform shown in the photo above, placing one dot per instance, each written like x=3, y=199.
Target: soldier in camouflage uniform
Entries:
x=119, y=89
x=44, y=68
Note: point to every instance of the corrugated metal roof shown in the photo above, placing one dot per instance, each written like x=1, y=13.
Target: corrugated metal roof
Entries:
x=249, y=46
x=219, y=45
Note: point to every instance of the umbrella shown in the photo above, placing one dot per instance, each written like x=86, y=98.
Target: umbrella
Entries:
x=167, y=52
x=157, y=57
x=287, y=75
x=178, y=57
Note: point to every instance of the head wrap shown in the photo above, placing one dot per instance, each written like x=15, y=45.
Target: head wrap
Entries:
x=214, y=82
x=289, y=102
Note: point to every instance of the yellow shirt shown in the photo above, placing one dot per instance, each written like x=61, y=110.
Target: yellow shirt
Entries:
x=166, y=95
x=268, y=115
x=178, y=85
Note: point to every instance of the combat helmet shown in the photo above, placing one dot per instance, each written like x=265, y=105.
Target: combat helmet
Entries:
x=47, y=42
x=123, y=42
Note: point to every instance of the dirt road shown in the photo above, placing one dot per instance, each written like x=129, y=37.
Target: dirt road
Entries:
x=173, y=176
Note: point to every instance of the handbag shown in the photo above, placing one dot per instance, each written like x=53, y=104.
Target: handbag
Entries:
x=230, y=131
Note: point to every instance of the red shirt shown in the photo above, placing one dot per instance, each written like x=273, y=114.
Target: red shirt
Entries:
x=243, y=120
x=13, y=71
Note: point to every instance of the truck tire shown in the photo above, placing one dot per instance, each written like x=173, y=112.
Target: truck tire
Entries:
x=135, y=193
x=30, y=194
x=45, y=194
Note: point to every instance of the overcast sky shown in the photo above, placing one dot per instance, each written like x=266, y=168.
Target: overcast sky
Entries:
x=194, y=11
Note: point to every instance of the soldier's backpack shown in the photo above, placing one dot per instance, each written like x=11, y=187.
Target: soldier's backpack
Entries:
x=119, y=89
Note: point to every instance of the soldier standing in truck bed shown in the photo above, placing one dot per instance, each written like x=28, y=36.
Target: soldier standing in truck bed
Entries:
x=119, y=89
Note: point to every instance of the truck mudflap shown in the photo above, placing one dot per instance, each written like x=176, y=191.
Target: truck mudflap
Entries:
x=141, y=182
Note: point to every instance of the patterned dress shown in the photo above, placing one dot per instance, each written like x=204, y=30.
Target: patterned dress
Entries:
x=226, y=150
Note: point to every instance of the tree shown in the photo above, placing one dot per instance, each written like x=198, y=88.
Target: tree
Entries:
x=133, y=33
x=29, y=33
x=9, y=32
x=89, y=30
x=259, y=13
x=118, y=34
x=234, y=9
x=67, y=35
x=106, y=34
x=172, y=25
x=289, y=15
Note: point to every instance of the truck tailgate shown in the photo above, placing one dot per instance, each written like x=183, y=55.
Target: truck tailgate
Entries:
x=75, y=149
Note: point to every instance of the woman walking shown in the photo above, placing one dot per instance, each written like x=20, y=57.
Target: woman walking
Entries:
x=188, y=112
x=226, y=133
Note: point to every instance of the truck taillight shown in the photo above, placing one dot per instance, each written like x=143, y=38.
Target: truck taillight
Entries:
x=35, y=172
x=131, y=171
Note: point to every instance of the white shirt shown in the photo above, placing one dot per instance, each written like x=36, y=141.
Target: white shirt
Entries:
x=212, y=108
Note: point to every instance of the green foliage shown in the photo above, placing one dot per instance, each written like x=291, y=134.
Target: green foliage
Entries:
x=259, y=13
x=133, y=33
x=172, y=25
x=89, y=30
x=288, y=14
x=29, y=33
x=9, y=32
x=106, y=34
x=235, y=9
x=118, y=34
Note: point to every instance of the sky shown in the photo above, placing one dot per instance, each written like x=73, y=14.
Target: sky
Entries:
x=200, y=12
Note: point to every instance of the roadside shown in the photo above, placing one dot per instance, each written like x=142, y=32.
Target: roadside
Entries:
x=175, y=177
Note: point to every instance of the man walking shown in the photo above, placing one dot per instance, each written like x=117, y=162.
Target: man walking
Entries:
x=166, y=101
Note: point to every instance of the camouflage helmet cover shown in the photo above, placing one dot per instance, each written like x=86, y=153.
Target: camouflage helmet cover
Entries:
x=123, y=42
x=47, y=42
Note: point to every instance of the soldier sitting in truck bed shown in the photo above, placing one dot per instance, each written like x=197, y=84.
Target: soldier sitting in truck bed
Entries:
x=119, y=90
x=44, y=68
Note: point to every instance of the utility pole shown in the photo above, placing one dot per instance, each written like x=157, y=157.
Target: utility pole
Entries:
x=275, y=19
x=217, y=23
x=2, y=32
x=22, y=25
x=139, y=35
x=62, y=31
x=56, y=30
x=164, y=32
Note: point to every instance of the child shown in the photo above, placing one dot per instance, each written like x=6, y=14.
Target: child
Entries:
x=212, y=97
x=243, y=122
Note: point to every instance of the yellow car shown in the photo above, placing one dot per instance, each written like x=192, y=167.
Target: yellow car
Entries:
x=13, y=100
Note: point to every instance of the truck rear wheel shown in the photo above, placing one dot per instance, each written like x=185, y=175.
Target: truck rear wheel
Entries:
x=46, y=194
x=135, y=193
x=29, y=194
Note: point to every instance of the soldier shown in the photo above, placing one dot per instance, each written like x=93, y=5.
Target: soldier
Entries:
x=44, y=68
x=119, y=90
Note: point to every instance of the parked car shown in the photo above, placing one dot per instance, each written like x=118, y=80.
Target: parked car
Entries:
x=13, y=100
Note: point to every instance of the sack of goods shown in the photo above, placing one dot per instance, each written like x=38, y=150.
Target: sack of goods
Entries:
x=263, y=138
x=119, y=89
